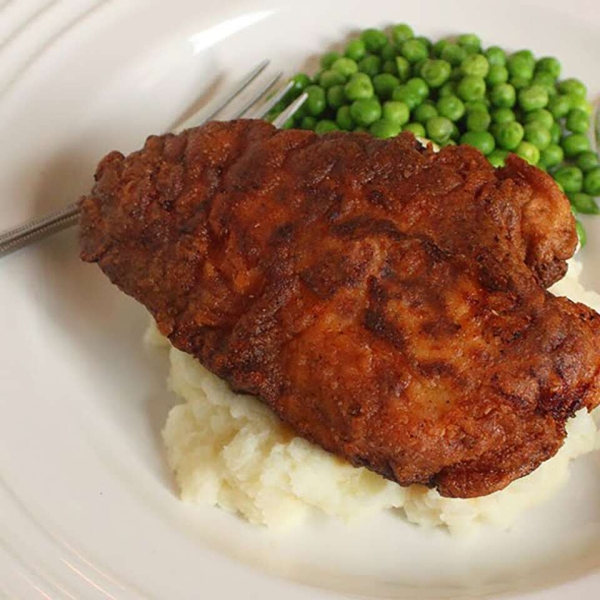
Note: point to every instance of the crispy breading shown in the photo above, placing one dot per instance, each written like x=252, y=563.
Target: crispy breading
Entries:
x=387, y=302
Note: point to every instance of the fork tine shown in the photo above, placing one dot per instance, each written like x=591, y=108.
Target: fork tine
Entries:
x=290, y=111
x=258, y=95
x=240, y=88
x=263, y=110
x=234, y=93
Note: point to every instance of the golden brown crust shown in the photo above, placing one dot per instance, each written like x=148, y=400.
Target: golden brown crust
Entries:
x=387, y=302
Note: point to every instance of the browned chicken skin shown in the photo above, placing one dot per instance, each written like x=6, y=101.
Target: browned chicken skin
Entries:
x=387, y=302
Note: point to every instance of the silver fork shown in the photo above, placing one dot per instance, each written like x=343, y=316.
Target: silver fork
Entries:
x=30, y=232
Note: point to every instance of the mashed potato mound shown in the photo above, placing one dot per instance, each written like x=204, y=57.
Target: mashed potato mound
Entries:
x=230, y=450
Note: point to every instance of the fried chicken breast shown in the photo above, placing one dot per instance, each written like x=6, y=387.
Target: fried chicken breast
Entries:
x=387, y=302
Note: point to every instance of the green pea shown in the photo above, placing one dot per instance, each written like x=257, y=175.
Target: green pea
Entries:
x=416, y=129
x=396, y=112
x=555, y=133
x=402, y=68
x=424, y=112
x=519, y=83
x=583, y=203
x=436, y=72
x=384, y=84
x=498, y=158
x=581, y=234
x=520, y=66
x=477, y=105
x=316, y=101
x=570, y=178
x=482, y=140
x=414, y=50
x=591, y=182
x=559, y=106
x=527, y=151
x=470, y=42
x=575, y=144
x=356, y=49
x=345, y=66
x=301, y=81
x=448, y=89
x=416, y=67
x=388, y=52
x=419, y=87
x=509, y=135
x=328, y=59
x=370, y=65
x=578, y=121
x=544, y=80
x=389, y=66
x=587, y=161
x=403, y=94
x=401, y=33
x=552, y=156
x=478, y=120
x=360, y=129
x=308, y=123
x=336, y=96
x=374, y=39
x=425, y=41
x=526, y=55
x=475, y=64
x=572, y=87
x=366, y=111
x=542, y=116
x=451, y=107
x=549, y=64
x=471, y=88
x=383, y=129
x=537, y=134
x=439, y=129
x=438, y=47
x=503, y=115
x=503, y=95
x=496, y=56
x=325, y=125
x=532, y=98
x=329, y=78
x=454, y=54
x=580, y=103
x=455, y=132
x=359, y=87
x=497, y=74
x=344, y=119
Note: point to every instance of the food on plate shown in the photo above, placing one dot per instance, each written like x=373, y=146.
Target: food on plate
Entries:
x=231, y=450
x=456, y=91
x=387, y=302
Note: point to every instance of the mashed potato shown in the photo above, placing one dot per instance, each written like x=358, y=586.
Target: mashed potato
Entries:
x=230, y=450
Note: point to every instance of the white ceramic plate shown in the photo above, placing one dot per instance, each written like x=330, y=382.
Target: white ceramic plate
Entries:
x=87, y=507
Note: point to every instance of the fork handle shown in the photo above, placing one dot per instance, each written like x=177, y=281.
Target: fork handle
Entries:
x=20, y=236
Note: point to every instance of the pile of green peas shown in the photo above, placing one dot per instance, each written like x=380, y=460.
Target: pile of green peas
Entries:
x=456, y=92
